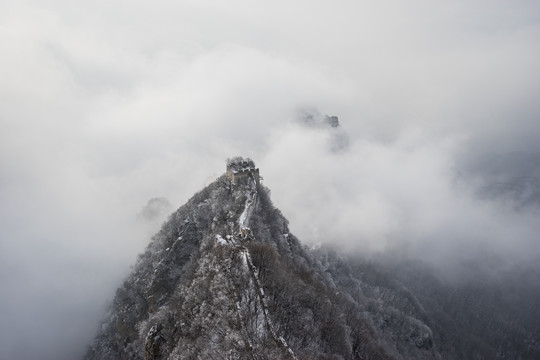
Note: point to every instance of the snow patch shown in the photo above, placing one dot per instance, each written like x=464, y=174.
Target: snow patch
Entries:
x=221, y=240
x=242, y=220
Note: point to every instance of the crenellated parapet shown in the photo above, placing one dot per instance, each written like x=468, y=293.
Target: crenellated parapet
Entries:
x=242, y=168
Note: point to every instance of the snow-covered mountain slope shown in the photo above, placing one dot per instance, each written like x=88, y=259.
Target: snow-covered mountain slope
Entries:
x=225, y=279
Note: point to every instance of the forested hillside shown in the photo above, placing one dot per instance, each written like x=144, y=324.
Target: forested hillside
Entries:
x=224, y=278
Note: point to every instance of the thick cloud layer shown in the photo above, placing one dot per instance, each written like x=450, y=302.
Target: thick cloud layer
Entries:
x=104, y=105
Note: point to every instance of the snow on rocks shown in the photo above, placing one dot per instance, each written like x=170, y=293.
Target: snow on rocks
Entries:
x=220, y=240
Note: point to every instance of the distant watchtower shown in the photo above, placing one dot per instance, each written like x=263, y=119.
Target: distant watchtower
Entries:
x=239, y=168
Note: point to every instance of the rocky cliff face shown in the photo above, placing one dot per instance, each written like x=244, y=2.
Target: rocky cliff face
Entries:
x=225, y=279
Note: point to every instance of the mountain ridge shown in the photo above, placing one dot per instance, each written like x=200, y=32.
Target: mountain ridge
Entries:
x=224, y=278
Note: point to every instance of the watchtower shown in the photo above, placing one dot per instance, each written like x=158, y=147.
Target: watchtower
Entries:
x=239, y=168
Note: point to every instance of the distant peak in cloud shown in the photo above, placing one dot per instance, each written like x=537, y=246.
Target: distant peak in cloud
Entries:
x=155, y=209
x=314, y=119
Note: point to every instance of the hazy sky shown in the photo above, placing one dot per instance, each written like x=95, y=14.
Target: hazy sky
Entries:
x=105, y=104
